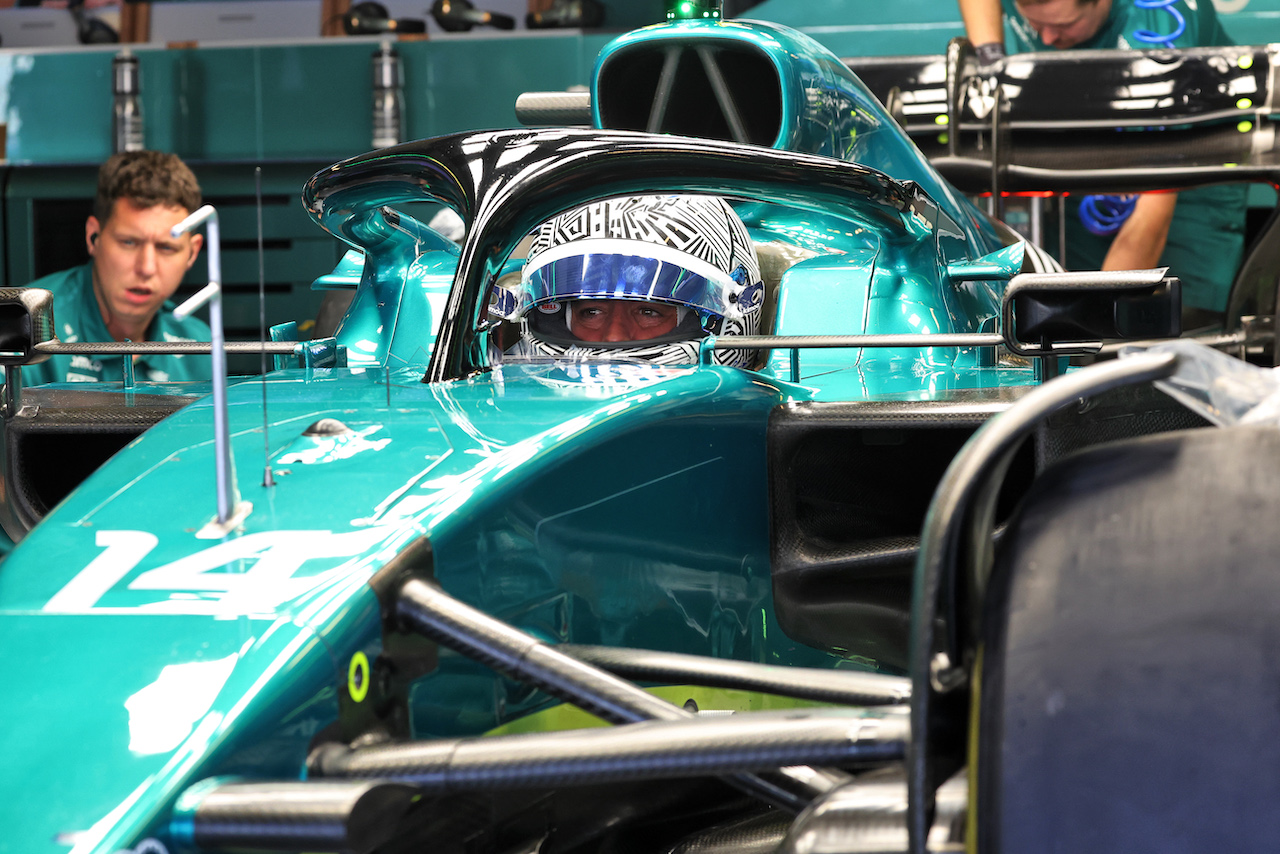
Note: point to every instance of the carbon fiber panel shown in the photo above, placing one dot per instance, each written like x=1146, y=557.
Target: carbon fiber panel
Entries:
x=1124, y=413
x=849, y=485
x=50, y=449
x=760, y=834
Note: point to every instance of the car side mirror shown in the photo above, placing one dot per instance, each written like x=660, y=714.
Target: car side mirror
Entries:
x=26, y=321
x=1064, y=314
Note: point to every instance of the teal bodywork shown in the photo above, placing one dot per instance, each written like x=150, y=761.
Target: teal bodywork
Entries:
x=885, y=284
x=616, y=504
x=278, y=610
x=827, y=110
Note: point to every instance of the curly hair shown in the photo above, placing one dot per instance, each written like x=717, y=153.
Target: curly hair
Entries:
x=146, y=178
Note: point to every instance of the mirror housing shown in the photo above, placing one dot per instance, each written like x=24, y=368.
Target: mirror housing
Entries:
x=1065, y=314
x=26, y=321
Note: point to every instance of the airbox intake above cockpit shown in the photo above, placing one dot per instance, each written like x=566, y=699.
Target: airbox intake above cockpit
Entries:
x=692, y=87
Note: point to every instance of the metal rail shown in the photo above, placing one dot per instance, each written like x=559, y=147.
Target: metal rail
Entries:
x=228, y=495
x=782, y=342
x=796, y=343
x=166, y=348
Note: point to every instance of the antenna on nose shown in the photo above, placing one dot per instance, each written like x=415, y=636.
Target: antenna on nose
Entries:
x=268, y=479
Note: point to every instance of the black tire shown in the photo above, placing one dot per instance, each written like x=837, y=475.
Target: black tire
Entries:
x=1130, y=693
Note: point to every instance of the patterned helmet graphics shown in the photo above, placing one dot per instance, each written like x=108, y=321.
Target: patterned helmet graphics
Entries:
x=692, y=252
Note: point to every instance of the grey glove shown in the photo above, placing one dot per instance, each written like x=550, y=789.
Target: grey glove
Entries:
x=989, y=53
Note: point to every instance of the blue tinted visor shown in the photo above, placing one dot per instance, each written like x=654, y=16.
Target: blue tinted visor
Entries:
x=660, y=274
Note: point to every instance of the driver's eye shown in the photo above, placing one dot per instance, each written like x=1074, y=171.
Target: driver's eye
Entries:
x=649, y=316
x=588, y=316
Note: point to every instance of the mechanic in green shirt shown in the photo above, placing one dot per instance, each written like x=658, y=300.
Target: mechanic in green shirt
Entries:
x=1198, y=233
x=135, y=266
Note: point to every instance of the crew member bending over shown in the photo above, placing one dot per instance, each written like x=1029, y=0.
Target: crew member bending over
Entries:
x=1198, y=233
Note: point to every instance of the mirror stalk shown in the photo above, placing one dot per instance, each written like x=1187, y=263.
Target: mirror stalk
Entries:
x=227, y=493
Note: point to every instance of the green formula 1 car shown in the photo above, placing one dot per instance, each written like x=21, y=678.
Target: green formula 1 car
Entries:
x=387, y=597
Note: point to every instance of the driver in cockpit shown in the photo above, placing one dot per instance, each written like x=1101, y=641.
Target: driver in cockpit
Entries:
x=639, y=277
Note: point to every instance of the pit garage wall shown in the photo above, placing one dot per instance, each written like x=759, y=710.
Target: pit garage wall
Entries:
x=295, y=107
x=291, y=108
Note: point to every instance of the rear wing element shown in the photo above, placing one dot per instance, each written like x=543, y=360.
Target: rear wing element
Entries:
x=1087, y=120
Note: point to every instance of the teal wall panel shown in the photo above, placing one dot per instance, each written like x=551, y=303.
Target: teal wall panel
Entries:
x=315, y=100
x=287, y=102
x=227, y=91
x=1251, y=22
x=28, y=193
x=472, y=82
x=630, y=14
x=865, y=28
x=57, y=105
x=802, y=14
x=250, y=103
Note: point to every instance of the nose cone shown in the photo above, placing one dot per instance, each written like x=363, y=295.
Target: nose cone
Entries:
x=105, y=735
x=94, y=723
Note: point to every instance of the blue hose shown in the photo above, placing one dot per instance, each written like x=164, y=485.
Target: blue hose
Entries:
x=1150, y=37
x=1103, y=215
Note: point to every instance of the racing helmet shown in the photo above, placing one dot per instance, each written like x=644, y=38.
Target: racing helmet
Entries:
x=690, y=252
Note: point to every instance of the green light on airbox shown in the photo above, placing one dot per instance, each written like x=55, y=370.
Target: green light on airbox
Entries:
x=693, y=10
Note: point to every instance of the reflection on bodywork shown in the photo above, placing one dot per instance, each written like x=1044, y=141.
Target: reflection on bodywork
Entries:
x=162, y=714
x=311, y=450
